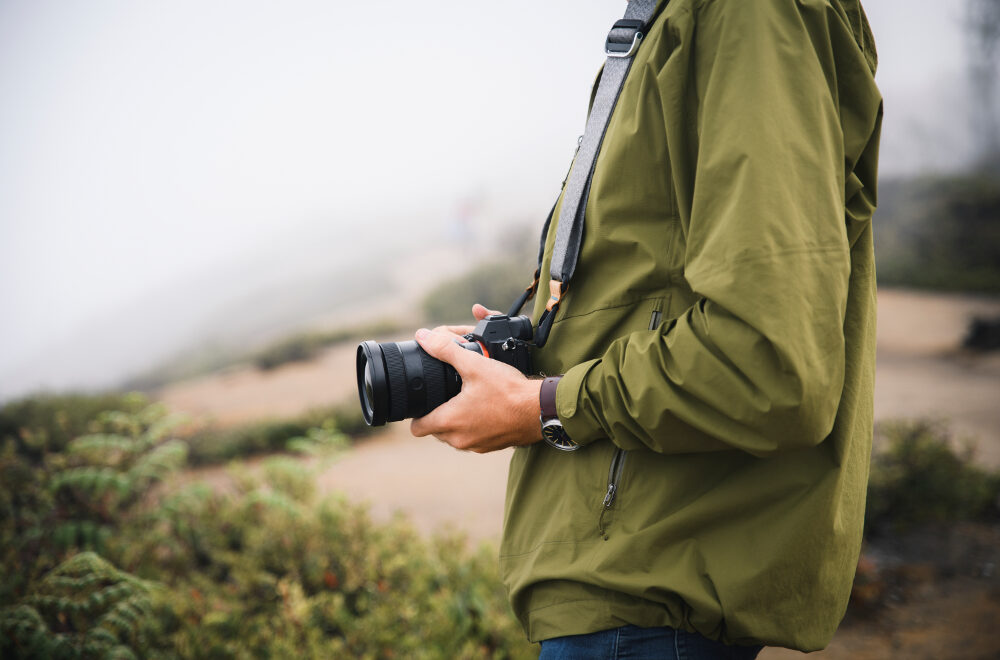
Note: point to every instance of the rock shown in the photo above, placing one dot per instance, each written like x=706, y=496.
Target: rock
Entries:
x=983, y=334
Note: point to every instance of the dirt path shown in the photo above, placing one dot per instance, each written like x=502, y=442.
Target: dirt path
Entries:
x=962, y=392
x=246, y=394
x=435, y=486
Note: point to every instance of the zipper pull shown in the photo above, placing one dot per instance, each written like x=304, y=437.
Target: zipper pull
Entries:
x=609, y=497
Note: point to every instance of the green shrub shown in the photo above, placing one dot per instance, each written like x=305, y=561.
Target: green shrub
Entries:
x=277, y=572
x=262, y=570
x=218, y=446
x=919, y=478
x=212, y=445
x=46, y=423
x=348, y=419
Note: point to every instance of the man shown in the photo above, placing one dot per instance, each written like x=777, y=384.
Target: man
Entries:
x=716, y=348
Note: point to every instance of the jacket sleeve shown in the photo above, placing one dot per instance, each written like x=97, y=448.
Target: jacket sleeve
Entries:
x=757, y=363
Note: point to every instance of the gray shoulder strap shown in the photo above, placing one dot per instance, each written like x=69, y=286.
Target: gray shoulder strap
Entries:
x=622, y=42
x=621, y=45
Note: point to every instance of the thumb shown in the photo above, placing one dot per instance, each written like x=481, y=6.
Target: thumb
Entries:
x=481, y=312
x=443, y=346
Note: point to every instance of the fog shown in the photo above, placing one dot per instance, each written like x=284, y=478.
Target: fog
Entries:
x=169, y=172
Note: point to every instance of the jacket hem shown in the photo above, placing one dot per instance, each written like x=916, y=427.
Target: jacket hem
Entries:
x=589, y=615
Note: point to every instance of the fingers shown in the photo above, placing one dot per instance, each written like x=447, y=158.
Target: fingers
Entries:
x=442, y=346
x=433, y=423
x=437, y=423
x=420, y=427
x=456, y=330
x=481, y=312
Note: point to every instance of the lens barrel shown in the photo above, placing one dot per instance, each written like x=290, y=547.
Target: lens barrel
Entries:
x=398, y=380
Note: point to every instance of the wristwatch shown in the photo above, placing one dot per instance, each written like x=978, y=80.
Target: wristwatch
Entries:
x=552, y=429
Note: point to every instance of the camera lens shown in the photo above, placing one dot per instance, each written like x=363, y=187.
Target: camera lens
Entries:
x=369, y=390
x=397, y=380
x=372, y=386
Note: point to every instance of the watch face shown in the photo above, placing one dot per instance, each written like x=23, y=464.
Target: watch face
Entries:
x=554, y=434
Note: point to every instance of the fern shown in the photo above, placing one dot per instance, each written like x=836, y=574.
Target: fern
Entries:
x=84, y=608
x=156, y=464
x=106, y=448
x=101, y=475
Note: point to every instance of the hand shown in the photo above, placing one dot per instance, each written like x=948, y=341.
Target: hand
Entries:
x=497, y=407
x=459, y=331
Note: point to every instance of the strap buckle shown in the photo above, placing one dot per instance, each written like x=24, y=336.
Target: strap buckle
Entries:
x=556, y=289
x=623, y=48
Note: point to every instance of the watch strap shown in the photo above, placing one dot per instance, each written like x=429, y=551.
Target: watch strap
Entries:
x=547, y=397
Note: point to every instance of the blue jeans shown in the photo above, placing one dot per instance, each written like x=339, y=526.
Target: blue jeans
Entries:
x=634, y=643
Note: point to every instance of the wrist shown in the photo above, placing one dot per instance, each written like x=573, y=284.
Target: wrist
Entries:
x=528, y=405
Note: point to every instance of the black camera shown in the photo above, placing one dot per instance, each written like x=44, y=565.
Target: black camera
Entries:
x=397, y=380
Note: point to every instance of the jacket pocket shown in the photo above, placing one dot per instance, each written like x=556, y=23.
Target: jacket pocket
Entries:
x=580, y=336
x=611, y=495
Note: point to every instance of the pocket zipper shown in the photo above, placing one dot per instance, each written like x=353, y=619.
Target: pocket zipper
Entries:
x=614, y=476
x=654, y=318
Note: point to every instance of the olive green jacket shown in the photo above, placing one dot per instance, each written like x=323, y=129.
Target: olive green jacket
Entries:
x=717, y=340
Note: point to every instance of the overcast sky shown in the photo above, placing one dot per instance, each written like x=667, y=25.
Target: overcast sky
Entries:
x=143, y=142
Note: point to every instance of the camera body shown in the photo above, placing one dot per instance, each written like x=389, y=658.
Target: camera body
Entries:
x=398, y=380
x=505, y=339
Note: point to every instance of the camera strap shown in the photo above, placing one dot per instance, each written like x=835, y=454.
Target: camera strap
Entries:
x=620, y=46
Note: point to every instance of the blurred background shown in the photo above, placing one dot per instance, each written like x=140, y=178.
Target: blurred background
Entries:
x=204, y=206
